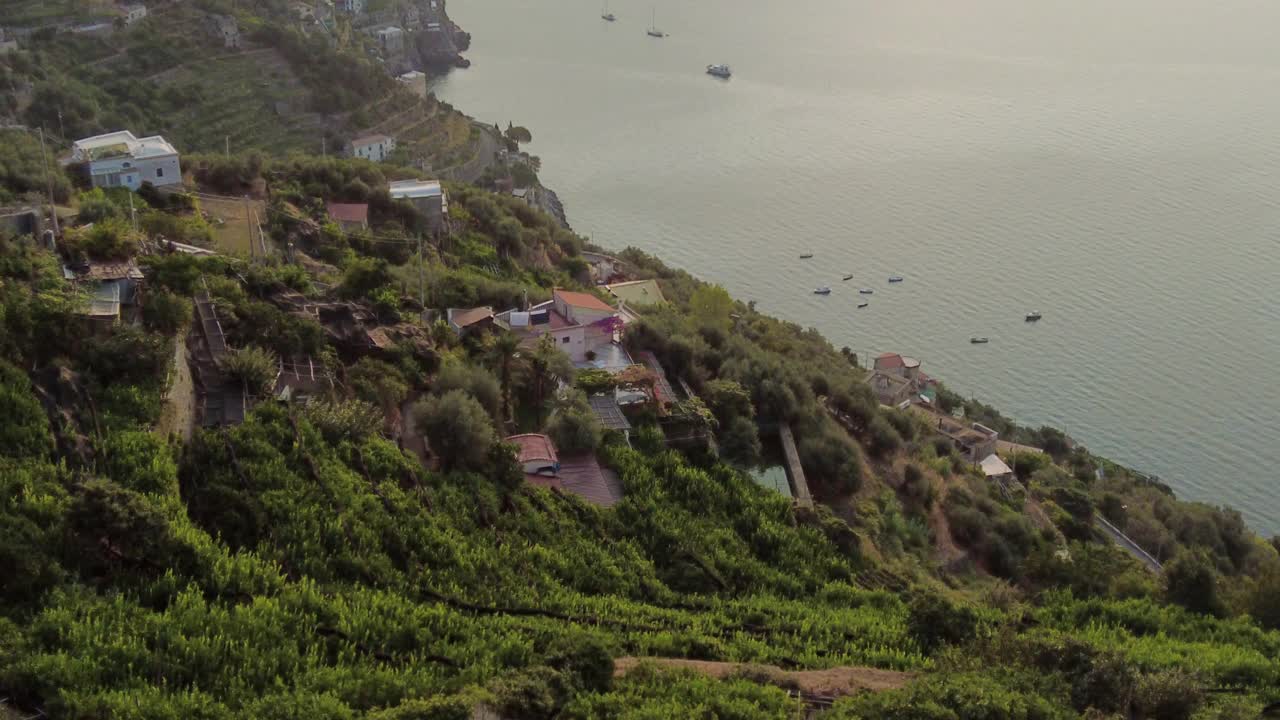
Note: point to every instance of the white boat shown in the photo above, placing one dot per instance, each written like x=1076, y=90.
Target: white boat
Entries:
x=979, y=340
x=866, y=291
x=606, y=15
x=822, y=291
x=653, y=30
x=720, y=71
x=805, y=256
x=1034, y=316
x=848, y=277
x=863, y=304
x=895, y=278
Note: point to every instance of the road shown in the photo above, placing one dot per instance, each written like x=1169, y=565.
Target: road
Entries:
x=1128, y=545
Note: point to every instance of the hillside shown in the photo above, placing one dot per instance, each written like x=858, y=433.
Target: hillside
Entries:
x=403, y=462
x=287, y=86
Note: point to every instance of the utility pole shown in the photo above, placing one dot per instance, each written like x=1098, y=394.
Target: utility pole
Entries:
x=324, y=146
x=48, y=176
x=62, y=128
x=248, y=220
x=228, y=144
x=422, y=274
x=133, y=215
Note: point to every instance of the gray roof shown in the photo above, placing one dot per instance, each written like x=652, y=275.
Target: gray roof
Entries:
x=610, y=415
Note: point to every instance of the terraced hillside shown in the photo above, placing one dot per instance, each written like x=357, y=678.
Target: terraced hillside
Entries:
x=289, y=87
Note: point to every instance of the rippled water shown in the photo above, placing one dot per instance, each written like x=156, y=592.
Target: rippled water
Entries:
x=1112, y=164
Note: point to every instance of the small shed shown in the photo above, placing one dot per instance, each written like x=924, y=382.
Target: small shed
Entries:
x=537, y=454
x=995, y=469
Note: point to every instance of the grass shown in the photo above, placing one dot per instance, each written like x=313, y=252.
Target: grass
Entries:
x=230, y=227
x=39, y=12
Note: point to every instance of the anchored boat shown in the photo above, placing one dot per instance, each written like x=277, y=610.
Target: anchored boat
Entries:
x=822, y=291
x=979, y=340
x=1034, y=316
x=720, y=71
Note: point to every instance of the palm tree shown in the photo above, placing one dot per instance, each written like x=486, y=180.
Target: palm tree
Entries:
x=503, y=349
x=548, y=366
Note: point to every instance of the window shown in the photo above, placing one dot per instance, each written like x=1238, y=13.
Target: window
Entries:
x=159, y=172
x=564, y=340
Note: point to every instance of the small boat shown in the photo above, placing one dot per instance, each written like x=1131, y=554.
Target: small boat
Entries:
x=822, y=291
x=653, y=30
x=1033, y=316
x=866, y=291
x=805, y=256
x=605, y=14
x=720, y=71
x=863, y=304
x=979, y=340
x=895, y=278
x=848, y=277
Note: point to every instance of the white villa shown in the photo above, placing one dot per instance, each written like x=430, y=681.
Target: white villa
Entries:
x=374, y=147
x=119, y=159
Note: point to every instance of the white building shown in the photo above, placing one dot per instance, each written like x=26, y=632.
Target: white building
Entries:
x=428, y=196
x=374, y=147
x=391, y=40
x=119, y=159
x=351, y=7
x=131, y=14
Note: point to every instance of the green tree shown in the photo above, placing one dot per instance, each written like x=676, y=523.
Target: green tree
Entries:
x=712, y=306
x=502, y=350
x=573, y=427
x=474, y=380
x=547, y=367
x=378, y=382
x=166, y=312
x=740, y=441
x=458, y=429
x=1190, y=581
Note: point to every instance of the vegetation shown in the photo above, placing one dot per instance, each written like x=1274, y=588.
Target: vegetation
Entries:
x=318, y=560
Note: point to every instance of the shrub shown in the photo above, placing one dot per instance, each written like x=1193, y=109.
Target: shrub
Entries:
x=935, y=621
x=254, y=368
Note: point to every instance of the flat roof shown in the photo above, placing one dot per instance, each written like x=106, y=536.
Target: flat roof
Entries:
x=638, y=292
x=123, y=143
x=412, y=189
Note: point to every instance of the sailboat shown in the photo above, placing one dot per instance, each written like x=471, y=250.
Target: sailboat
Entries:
x=653, y=27
x=605, y=14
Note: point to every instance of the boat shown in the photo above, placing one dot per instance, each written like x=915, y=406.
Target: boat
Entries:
x=866, y=291
x=1033, y=316
x=979, y=340
x=653, y=30
x=848, y=277
x=822, y=291
x=606, y=15
x=863, y=304
x=895, y=278
x=805, y=256
x=720, y=71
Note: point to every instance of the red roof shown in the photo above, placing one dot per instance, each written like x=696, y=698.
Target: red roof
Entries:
x=349, y=213
x=586, y=301
x=889, y=361
x=534, y=448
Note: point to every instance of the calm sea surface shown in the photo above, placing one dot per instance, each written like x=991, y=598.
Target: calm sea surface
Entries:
x=1114, y=164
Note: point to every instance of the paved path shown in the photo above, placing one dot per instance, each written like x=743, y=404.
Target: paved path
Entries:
x=1129, y=546
x=800, y=486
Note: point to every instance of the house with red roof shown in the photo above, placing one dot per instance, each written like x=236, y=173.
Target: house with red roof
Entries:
x=536, y=454
x=896, y=379
x=582, y=325
x=349, y=217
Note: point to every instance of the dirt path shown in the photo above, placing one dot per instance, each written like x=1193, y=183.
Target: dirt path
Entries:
x=178, y=415
x=832, y=682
